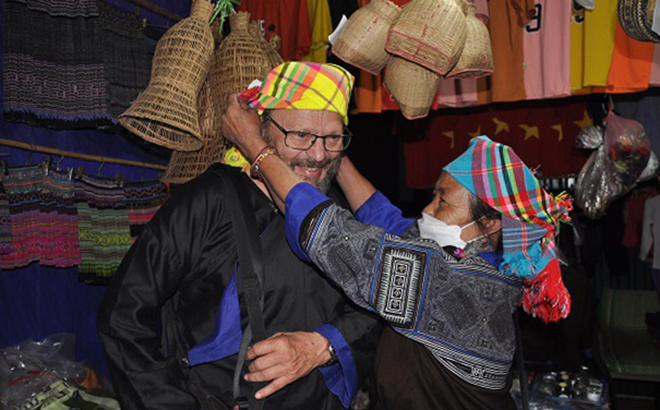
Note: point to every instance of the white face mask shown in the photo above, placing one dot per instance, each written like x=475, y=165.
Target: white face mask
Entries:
x=443, y=234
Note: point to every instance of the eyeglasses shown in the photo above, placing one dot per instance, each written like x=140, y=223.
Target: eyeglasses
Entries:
x=303, y=141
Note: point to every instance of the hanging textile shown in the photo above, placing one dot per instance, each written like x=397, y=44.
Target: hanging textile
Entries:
x=60, y=221
x=289, y=19
x=22, y=186
x=532, y=132
x=547, y=50
x=126, y=58
x=5, y=223
x=53, y=65
x=599, y=31
x=320, y=23
x=43, y=221
x=630, y=68
x=143, y=199
x=103, y=228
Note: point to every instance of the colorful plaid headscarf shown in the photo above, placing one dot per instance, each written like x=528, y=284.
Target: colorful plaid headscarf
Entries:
x=530, y=221
x=301, y=85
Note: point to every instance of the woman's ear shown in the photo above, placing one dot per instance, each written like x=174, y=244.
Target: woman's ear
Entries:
x=492, y=225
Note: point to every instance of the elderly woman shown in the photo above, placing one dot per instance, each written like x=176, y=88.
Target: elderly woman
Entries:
x=447, y=284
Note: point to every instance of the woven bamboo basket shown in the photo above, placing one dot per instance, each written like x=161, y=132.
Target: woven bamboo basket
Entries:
x=362, y=42
x=273, y=56
x=166, y=112
x=184, y=166
x=241, y=60
x=412, y=86
x=636, y=19
x=477, y=57
x=430, y=33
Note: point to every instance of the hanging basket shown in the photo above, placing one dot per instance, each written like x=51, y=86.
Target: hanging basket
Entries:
x=184, y=166
x=362, y=42
x=273, y=56
x=412, y=86
x=430, y=33
x=477, y=57
x=165, y=113
x=636, y=19
x=241, y=60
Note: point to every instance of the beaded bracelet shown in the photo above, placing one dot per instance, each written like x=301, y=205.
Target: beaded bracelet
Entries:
x=256, y=164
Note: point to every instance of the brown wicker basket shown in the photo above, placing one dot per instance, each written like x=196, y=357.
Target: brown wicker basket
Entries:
x=636, y=19
x=184, y=166
x=241, y=59
x=412, y=86
x=477, y=57
x=430, y=33
x=273, y=56
x=362, y=42
x=165, y=113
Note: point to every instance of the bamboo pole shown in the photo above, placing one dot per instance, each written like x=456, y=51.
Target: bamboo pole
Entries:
x=96, y=158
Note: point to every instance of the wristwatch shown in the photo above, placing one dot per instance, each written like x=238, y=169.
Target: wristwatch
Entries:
x=333, y=357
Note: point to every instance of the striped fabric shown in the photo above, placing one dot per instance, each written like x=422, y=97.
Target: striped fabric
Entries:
x=302, y=85
x=530, y=220
x=42, y=219
x=5, y=223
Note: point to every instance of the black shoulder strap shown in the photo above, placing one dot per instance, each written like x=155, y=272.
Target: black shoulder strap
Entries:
x=522, y=375
x=250, y=270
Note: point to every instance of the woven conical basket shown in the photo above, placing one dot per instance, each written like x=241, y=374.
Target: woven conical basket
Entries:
x=430, y=33
x=272, y=54
x=362, y=42
x=636, y=19
x=477, y=57
x=166, y=112
x=184, y=166
x=412, y=86
x=242, y=60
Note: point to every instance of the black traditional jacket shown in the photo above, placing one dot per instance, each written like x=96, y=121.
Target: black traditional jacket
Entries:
x=182, y=262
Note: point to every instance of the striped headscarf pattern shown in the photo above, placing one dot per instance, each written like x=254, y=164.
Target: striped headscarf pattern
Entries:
x=302, y=85
x=530, y=221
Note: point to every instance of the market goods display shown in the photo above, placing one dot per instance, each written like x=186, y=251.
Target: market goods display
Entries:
x=477, y=57
x=622, y=158
x=431, y=33
x=362, y=42
x=165, y=113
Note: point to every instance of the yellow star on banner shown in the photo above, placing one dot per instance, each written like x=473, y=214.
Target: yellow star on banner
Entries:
x=501, y=126
x=585, y=122
x=560, y=130
x=450, y=135
x=476, y=134
x=530, y=131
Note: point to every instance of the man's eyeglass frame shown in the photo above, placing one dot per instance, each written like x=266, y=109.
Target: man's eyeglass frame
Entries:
x=346, y=136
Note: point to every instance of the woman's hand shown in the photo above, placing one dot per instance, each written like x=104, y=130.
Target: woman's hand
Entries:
x=242, y=126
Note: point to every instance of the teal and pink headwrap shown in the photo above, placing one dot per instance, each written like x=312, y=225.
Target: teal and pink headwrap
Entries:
x=530, y=221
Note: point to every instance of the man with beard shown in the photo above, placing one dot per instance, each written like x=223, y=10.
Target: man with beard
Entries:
x=177, y=285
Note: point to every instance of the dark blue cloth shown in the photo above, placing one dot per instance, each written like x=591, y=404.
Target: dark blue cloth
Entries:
x=300, y=201
x=341, y=378
x=379, y=211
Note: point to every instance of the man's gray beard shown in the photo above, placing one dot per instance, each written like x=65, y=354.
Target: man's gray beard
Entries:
x=331, y=164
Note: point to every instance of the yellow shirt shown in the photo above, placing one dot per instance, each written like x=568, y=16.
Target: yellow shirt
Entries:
x=599, y=31
x=577, y=48
x=320, y=23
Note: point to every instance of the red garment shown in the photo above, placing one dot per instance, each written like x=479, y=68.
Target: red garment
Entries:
x=634, y=216
x=289, y=19
x=542, y=136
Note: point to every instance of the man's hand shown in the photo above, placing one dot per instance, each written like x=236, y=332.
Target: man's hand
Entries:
x=284, y=358
x=242, y=126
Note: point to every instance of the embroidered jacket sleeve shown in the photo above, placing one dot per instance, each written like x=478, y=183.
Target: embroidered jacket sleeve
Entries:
x=460, y=311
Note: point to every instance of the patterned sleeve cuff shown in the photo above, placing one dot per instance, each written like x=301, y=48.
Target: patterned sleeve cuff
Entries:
x=379, y=211
x=303, y=206
x=341, y=378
